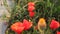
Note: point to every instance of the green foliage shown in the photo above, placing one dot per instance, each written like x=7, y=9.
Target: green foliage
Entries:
x=46, y=9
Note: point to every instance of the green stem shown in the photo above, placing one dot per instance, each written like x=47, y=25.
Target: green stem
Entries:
x=42, y=32
x=19, y=2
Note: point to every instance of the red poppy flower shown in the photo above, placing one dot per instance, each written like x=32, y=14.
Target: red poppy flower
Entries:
x=31, y=8
x=54, y=24
x=31, y=4
x=27, y=24
x=31, y=14
x=17, y=27
x=58, y=32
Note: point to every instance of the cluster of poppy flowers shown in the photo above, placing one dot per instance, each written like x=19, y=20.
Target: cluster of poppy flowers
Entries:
x=53, y=25
x=18, y=27
x=31, y=9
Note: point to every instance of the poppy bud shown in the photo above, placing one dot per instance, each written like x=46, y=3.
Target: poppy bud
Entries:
x=36, y=27
x=42, y=23
x=31, y=14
